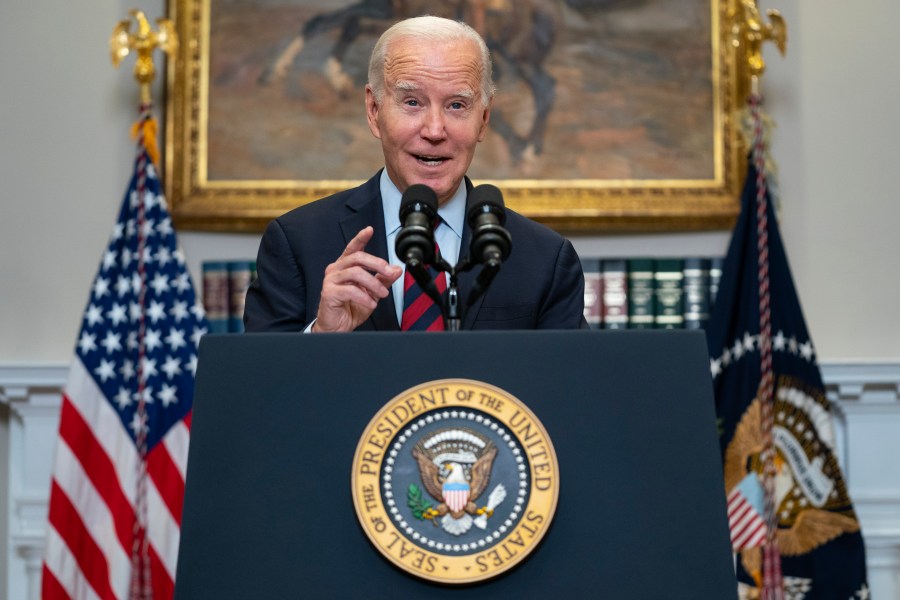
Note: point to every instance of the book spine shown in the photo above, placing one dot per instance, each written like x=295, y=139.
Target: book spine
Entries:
x=215, y=295
x=615, y=294
x=240, y=274
x=669, y=305
x=715, y=277
x=593, y=292
x=641, y=287
x=696, y=293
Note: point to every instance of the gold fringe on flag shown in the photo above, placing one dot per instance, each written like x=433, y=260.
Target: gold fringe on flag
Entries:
x=147, y=128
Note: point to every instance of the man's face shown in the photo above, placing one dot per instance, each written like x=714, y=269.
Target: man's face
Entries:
x=431, y=116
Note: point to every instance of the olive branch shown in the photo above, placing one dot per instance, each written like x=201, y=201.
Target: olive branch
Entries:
x=416, y=501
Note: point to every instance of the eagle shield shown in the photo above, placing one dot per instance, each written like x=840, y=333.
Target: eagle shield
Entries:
x=456, y=495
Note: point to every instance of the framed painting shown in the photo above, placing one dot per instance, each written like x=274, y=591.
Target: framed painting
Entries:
x=609, y=115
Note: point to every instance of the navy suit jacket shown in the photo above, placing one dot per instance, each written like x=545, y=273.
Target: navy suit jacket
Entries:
x=540, y=285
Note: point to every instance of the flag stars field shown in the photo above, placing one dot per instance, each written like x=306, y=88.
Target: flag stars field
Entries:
x=748, y=344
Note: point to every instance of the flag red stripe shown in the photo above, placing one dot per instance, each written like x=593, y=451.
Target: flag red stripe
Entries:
x=79, y=436
x=163, y=585
x=51, y=589
x=737, y=525
x=750, y=519
x=66, y=520
x=164, y=473
x=757, y=539
x=738, y=513
x=188, y=418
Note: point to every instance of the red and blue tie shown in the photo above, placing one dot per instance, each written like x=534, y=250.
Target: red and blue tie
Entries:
x=420, y=313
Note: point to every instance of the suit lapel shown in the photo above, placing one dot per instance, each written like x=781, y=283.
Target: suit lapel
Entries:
x=364, y=210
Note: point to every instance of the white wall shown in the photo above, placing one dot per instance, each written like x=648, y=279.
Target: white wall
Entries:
x=838, y=148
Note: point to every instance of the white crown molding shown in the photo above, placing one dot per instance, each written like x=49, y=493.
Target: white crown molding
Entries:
x=862, y=382
x=19, y=380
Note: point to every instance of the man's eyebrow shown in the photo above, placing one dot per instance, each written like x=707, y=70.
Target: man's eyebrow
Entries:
x=405, y=86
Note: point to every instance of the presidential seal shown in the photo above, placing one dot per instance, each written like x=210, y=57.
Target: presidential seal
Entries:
x=455, y=481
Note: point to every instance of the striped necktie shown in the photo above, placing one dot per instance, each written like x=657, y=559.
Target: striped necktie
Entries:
x=420, y=313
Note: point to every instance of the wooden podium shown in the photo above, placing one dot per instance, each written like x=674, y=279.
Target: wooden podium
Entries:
x=268, y=511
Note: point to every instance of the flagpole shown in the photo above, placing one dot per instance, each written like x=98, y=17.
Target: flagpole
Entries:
x=142, y=42
x=750, y=34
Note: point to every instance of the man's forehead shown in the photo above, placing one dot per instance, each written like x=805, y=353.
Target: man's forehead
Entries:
x=412, y=65
x=410, y=54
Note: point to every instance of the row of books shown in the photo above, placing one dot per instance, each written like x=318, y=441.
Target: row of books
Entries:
x=650, y=293
x=619, y=293
x=224, y=289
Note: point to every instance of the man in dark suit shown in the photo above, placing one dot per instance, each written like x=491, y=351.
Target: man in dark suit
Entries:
x=331, y=266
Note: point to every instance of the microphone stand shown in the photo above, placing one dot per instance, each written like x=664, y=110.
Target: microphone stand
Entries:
x=451, y=311
x=451, y=308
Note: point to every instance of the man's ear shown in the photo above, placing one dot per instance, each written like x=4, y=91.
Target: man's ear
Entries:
x=485, y=119
x=372, y=112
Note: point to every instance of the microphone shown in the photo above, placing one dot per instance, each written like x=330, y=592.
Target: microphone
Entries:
x=491, y=242
x=415, y=240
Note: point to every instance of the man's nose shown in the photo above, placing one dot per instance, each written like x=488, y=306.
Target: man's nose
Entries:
x=434, y=127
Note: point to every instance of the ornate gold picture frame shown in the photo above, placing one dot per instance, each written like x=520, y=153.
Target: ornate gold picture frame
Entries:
x=611, y=115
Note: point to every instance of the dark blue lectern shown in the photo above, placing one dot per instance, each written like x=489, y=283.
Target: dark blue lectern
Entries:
x=641, y=513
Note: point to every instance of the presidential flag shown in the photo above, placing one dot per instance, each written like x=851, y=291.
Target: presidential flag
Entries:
x=793, y=526
x=118, y=479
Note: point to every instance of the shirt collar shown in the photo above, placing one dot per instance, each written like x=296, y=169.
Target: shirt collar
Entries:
x=452, y=212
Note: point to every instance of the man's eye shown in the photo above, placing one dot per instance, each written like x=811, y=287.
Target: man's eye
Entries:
x=412, y=102
x=457, y=105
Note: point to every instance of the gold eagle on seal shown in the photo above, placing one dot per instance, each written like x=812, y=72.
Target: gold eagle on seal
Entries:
x=455, y=467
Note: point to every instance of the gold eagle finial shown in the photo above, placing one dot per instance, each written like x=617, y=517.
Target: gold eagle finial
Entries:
x=749, y=32
x=143, y=42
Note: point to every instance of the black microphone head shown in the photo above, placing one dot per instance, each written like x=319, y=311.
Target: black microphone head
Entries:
x=418, y=210
x=491, y=242
x=420, y=198
x=486, y=198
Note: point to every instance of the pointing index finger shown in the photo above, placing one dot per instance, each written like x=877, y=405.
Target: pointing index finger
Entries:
x=358, y=243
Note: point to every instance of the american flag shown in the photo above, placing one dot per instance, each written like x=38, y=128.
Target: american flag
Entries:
x=745, y=514
x=118, y=481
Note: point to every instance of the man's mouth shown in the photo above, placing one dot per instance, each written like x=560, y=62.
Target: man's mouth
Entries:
x=431, y=161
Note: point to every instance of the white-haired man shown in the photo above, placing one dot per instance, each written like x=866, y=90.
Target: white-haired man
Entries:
x=330, y=265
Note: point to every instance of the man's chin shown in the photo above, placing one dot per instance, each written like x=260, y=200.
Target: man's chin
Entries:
x=442, y=186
